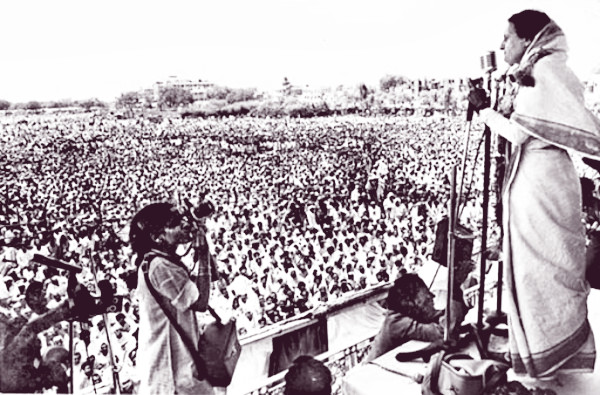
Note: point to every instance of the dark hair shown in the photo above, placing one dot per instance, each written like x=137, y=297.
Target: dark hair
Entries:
x=528, y=23
x=146, y=224
x=403, y=293
x=308, y=376
x=34, y=297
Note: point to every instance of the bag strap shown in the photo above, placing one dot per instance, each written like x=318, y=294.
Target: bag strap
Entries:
x=200, y=365
x=436, y=365
x=151, y=255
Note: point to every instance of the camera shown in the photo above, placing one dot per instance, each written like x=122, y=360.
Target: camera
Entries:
x=203, y=210
x=199, y=212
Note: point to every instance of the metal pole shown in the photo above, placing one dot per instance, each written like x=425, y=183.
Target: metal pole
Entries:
x=463, y=166
x=484, y=225
x=72, y=387
x=499, y=290
x=116, y=380
x=115, y=374
x=450, y=256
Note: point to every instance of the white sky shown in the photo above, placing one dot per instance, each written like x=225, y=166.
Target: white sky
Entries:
x=52, y=50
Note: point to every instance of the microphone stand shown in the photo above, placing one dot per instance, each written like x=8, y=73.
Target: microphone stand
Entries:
x=504, y=149
x=115, y=373
x=498, y=316
x=484, y=224
x=483, y=330
x=72, y=378
x=451, y=250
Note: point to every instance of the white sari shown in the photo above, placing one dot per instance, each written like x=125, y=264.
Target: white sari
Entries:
x=544, y=238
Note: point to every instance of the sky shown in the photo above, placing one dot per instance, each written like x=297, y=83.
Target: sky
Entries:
x=55, y=50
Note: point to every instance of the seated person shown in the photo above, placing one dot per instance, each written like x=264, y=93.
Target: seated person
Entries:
x=412, y=316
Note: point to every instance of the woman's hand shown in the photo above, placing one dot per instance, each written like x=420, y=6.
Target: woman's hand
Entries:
x=479, y=99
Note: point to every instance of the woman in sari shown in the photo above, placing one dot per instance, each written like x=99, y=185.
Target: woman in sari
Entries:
x=544, y=238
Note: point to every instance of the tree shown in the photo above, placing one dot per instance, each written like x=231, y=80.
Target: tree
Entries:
x=448, y=103
x=172, y=96
x=217, y=93
x=388, y=82
x=90, y=103
x=237, y=95
x=60, y=104
x=364, y=91
x=287, y=86
x=128, y=101
x=4, y=105
x=147, y=99
x=33, y=105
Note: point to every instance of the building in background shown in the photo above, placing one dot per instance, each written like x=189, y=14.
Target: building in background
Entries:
x=198, y=88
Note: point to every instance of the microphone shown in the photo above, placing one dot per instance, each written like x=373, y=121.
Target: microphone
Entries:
x=488, y=66
x=488, y=61
x=56, y=263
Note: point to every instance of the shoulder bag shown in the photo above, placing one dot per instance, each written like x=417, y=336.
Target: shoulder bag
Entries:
x=450, y=374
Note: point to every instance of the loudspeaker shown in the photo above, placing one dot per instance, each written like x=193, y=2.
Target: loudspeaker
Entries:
x=464, y=243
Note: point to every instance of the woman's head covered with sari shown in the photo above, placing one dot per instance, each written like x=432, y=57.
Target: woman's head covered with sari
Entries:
x=550, y=103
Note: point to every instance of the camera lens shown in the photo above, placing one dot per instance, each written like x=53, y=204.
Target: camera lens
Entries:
x=204, y=209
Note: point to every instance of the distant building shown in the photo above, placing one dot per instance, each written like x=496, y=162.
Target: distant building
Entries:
x=198, y=88
x=312, y=95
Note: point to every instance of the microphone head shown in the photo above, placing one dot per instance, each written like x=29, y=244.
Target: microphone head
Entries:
x=488, y=62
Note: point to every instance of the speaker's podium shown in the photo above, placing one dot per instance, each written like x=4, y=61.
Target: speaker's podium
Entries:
x=385, y=375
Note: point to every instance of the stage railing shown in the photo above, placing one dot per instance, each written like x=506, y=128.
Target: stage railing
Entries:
x=346, y=345
x=300, y=321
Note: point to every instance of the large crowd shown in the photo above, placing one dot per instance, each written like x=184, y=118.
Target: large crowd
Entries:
x=307, y=211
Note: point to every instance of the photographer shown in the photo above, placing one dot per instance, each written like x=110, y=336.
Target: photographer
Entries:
x=164, y=362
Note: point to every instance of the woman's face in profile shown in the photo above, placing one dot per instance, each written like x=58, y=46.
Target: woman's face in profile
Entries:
x=176, y=232
x=513, y=46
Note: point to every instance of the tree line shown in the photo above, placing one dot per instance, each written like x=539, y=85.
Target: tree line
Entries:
x=87, y=104
x=394, y=94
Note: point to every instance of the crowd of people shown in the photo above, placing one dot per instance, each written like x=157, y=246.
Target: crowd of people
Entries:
x=307, y=211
